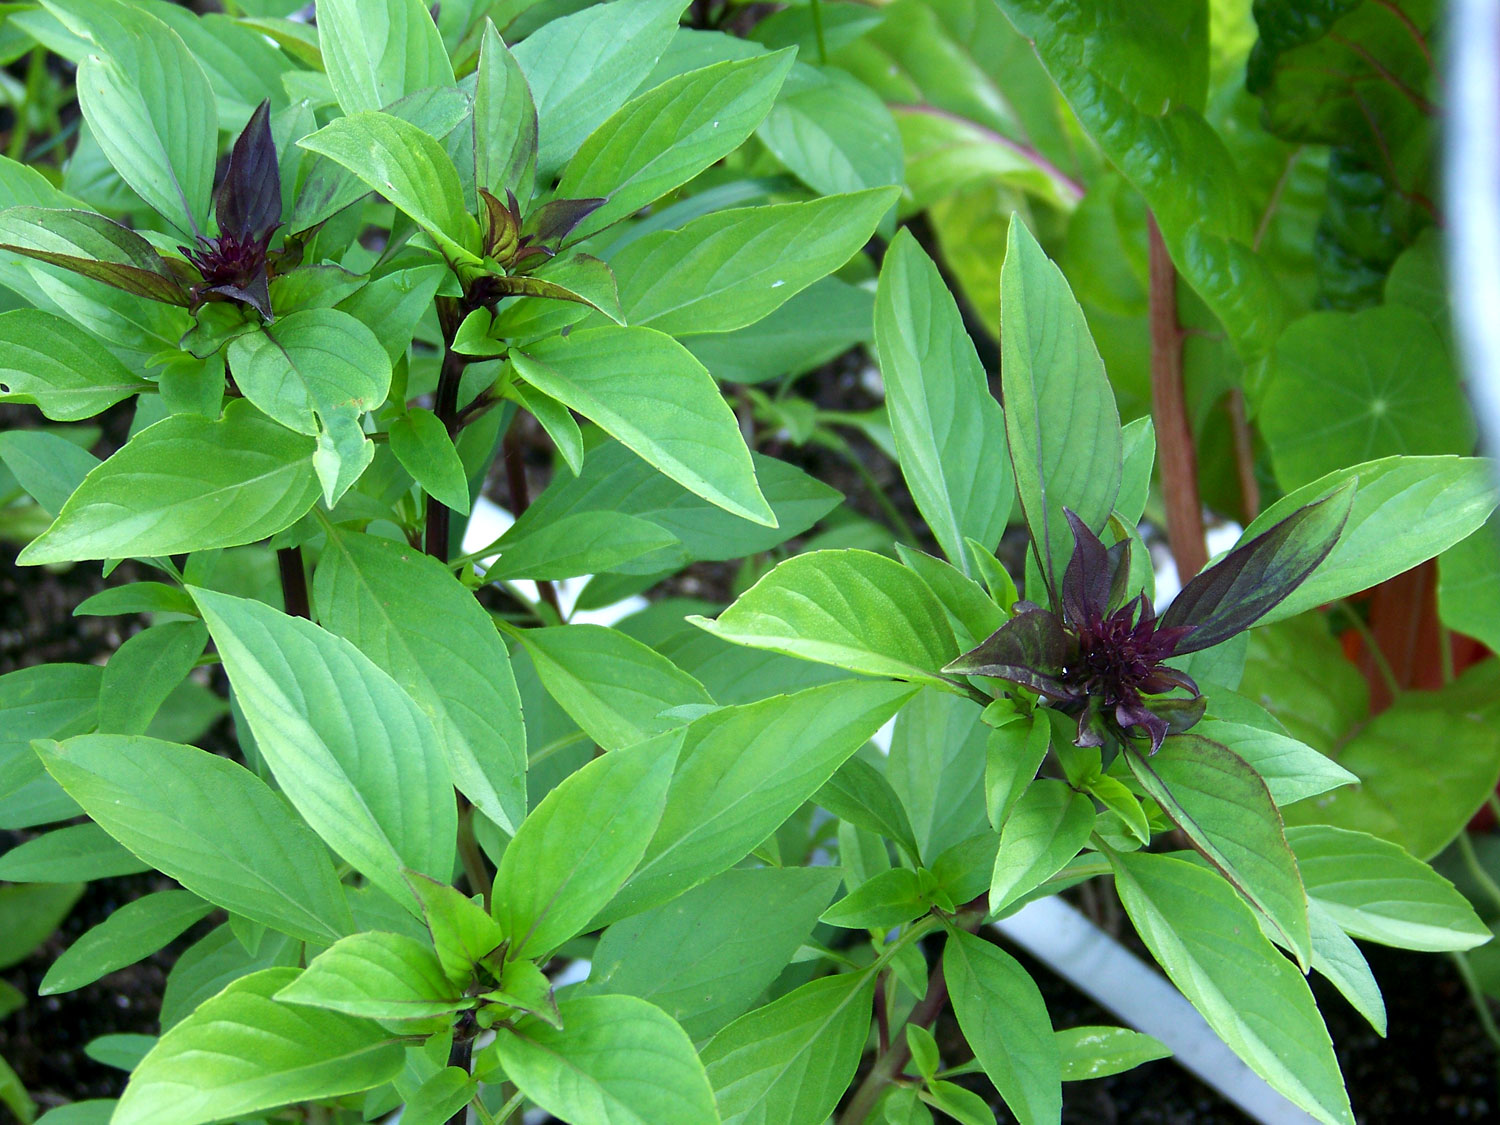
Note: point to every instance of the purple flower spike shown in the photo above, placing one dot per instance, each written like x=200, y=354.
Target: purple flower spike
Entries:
x=1106, y=662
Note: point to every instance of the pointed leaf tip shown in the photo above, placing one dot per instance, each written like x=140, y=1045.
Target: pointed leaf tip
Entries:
x=1254, y=578
x=249, y=200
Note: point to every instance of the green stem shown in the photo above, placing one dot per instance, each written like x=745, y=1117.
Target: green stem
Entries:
x=890, y=1062
x=1480, y=1000
x=1382, y=665
x=1476, y=868
x=817, y=17
x=892, y=514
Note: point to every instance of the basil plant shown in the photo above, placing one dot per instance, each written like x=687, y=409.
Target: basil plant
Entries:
x=472, y=858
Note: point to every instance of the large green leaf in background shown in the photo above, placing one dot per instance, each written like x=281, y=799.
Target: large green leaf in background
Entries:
x=186, y=484
x=242, y=1052
x=949, y=429
x=409, y=615
x=1356, y=75
x=1343, y=388
x=376, y=51
x=208, y=823
x=354, y=754
x=1425, y=765
x=648, y=391
x=583, y=67
x=151, y=104
x=1137, y=79
x=833, y=133
x=1207, y=940
x=1064, y=430
x=1468, y=593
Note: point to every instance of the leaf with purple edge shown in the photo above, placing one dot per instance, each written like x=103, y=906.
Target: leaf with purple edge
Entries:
x=249, y=199
x=1223, y=805
x=1250, y=581
x=1089, y=578
x=1030, y=649
x=93, y=246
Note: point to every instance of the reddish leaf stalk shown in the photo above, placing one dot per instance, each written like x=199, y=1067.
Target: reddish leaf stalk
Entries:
x=1174, y=434
x=891, y=1061
x=445, y=406
x=294, y=596
x=520, y=497
x=1244, y=457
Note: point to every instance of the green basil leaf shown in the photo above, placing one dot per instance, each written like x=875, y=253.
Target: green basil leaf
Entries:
x=422, y=445
x=616, y=1060
x=579, y=845
x=137, y=929
x=1377, y=892
x=186, y=484
x=583, y=67
x=645, y=389
x=705, y=956
x=66, y=373
x=1064, y=432
x=150, y=105
x=505, y=122
x=376, y=51
x=75, y=854
x=242, y=1052
x=744, y=770
x=790, y=1062
x=1005, y=1020
x=661, y=139
x=1405, y=510
x=93, y=246
x=407, y=166
x=1207, y=940
x=1045, y=829
x=1226, y=810
x=949, y=430
x=408, y=614
x=144, y=670
x=316, y=371
x=359, y=760
x=377, y=975
x=617, y=689
x=852, y=609
x=208, y=823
